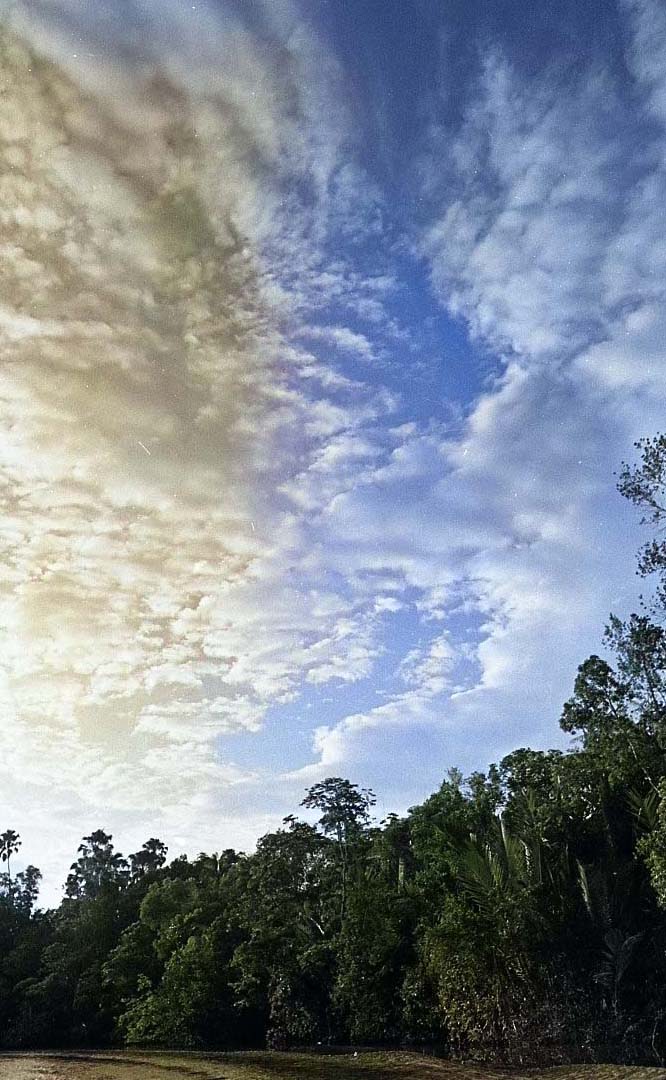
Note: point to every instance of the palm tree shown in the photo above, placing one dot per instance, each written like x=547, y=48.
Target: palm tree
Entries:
x=10, y=842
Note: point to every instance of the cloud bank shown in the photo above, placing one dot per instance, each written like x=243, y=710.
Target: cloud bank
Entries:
x=218, y=497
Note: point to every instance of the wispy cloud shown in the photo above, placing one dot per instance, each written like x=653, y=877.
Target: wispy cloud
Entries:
x=213, y=498
x=546, y=238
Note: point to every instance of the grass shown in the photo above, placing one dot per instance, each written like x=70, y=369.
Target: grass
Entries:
x=132, y=1065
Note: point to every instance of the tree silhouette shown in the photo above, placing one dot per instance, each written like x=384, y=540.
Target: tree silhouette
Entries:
x=10, y=843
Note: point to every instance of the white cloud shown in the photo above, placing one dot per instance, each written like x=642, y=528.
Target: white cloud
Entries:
x=202, y=511
x=164, y=215
x=548, y=238
x=519, y=252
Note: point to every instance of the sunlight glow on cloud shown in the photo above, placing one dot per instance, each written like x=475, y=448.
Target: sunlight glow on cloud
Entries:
x=152, y=405
x=217, y=493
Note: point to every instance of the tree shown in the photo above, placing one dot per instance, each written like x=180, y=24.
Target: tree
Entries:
x=645, y=486
x=345, y=807
x=345, y=815
x=10, y=843
x=98, y=867
x=286, y=912
x=26, y=888
x=150, y=858
x=609, y=712
x=376, y=939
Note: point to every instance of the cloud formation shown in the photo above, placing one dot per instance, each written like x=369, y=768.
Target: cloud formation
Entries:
x=154, y=595
x=546, y=238
x=219, y=494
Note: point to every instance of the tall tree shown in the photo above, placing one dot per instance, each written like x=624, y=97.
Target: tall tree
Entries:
x=150, y=858
x=10, y=842
x=644, y=484
x=98, y=867
x=345, y=816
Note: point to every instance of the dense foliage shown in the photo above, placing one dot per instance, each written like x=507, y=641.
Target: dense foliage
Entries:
x=519, y=914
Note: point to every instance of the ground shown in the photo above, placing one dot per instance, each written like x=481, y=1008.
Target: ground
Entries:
x=266, y=1066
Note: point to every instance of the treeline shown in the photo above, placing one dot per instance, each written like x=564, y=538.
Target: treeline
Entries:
x=517, y=915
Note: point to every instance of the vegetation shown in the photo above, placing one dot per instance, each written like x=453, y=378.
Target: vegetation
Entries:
x=518, y=915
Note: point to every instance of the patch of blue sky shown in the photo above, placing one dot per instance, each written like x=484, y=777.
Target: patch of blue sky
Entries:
x=420, y=353
x=400, y=59
x=444, y=368
x=285, y=742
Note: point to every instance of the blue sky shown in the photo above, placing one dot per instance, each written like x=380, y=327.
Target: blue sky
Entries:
x=326, y=326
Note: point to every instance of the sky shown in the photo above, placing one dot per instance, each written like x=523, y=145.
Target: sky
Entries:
x=324, y=326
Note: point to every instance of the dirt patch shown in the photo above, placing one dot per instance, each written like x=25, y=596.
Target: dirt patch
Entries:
x=284, y=1066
